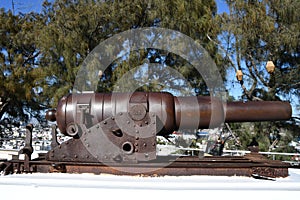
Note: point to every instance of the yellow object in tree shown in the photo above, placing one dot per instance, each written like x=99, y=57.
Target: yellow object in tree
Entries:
x=270, y=67
x=239, y=75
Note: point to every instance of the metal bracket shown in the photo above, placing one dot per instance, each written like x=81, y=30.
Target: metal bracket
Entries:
x=115, y=139
x=27, y=150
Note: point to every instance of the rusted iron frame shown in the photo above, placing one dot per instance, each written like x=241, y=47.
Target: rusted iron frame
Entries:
x=216, y=166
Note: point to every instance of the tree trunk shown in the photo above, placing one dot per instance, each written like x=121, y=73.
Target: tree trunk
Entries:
x=3, y=106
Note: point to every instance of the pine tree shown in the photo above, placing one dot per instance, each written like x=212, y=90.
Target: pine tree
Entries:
x=254, y=32
x=19, y=71
x=72, y=29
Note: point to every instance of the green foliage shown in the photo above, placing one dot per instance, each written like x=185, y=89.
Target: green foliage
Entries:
x=257, y=31
x=41, y=53
x=71, y=31
x=254, y=32
x=19, y=67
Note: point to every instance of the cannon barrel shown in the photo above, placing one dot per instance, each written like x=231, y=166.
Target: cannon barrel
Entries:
x=173, y=112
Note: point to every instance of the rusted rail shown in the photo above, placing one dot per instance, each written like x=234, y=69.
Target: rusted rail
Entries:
x=250, y=165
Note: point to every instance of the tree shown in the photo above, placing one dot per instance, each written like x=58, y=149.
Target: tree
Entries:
x=72, y=29
x=254, y=32
x=19, y=69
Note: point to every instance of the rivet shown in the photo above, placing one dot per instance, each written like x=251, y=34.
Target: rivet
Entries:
x=153, y=144
x=76, y=156
x=136, y=144
x=63, y=156
x=146, y=122
x=59, y=146
x=89, y=131
x=120, y=113
x=137, y=131
x=97, y=126
x=112, y=118
x=67, y=142
x=144, y=144
x=136, y=150
x=104, y=122
x=128, y=122
x=137, y=138
x=87, y=156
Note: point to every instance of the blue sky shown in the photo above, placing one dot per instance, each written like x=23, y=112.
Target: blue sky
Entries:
x=36, y=5
x=22, y=5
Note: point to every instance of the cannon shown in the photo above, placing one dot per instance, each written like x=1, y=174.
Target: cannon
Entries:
x=122, y=127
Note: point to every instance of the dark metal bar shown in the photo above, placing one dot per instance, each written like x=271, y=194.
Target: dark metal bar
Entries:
x=257, y=111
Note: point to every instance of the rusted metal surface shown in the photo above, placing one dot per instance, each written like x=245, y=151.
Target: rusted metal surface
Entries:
x=27, y=150
x=116, y=139
x=214, y=166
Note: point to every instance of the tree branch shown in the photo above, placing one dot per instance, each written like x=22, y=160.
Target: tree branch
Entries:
x=256, y=70
x=224, y=51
